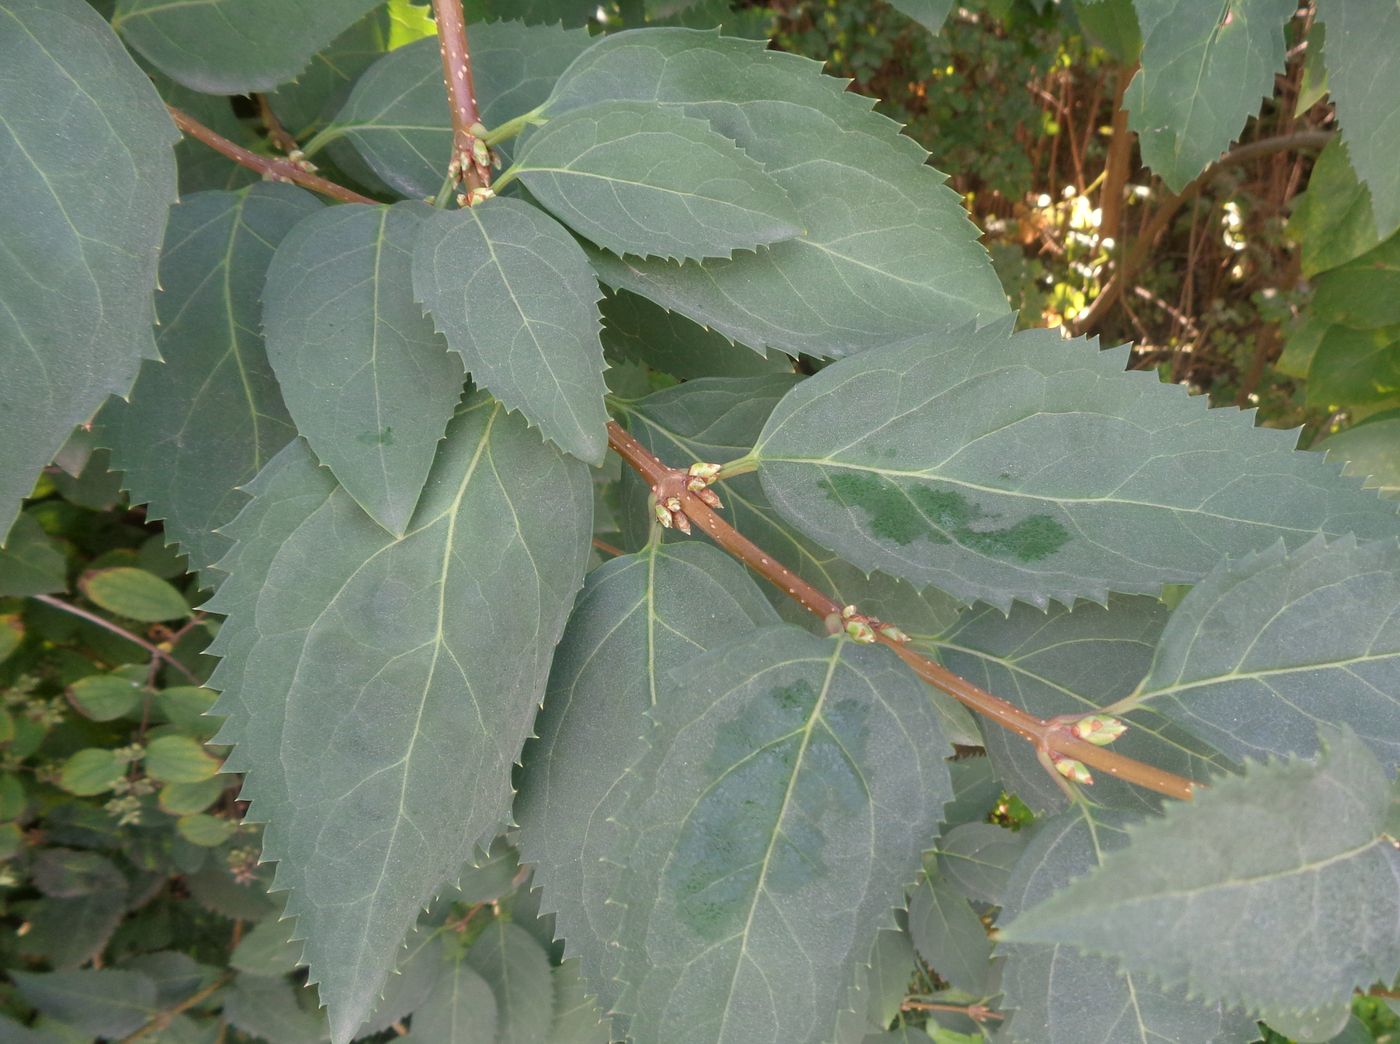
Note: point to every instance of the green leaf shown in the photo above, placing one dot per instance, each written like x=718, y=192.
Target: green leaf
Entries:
x=266, y=950
x=1065, y=662
x=182, y=799
x=201, y=169
x=1244, y=665
x=637, y=329
x=65, y=873
x=513, y=294
x=1031, y=467
x=1056, y=995
x=1364, y=292
x=312, y=99
x=202, y=423
x=234, y=46
x=134, y=594
x=1371, y=450
x=1363, y=77
x=368, y=382
x=11, y=635
x=1313, y=87
x=461, y=1009
x=1355, y=368
x=397, y=115
x=206, y=831
x=516, y=969
x=789, y=783
x=1300, y=836
x=105, y=697
x=931, y=14
x=179, y=759
x=30, y=562
x=91, y=771
x=576, y=1018
x=949, y=935
x=716, y=420
x=640, y=618
x=429, y=652
x=67, y=933
x=1205, y=69
x=1112, y=25
x=1332, y=220
x=892, y=965
x=640, y=179
x=975, y=859
x=266, y=1007
x=103, y=1002
x=83, y=212
x=889, y=252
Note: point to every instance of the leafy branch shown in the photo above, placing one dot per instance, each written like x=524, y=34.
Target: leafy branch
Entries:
x=471, y=159
x=1052, y=738
x=157, y=653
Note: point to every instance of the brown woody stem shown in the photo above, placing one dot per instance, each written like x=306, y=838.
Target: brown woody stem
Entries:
x=461, y=93
x=268, y=166
x=1052, y=737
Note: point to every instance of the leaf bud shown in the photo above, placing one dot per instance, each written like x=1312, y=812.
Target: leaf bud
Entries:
x=860, y=631
x=704, y=471
x=709, y=497
x=662, y=515
x=681, y=521
x=1073, y=770
x=849, y=612
x=893, y=633
x=477, y=130
x=673, y=504
x=481, y=153
x=1098, y=729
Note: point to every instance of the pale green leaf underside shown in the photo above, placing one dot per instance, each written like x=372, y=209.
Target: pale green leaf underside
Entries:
x=1032, y=467
x=202, y=423
x=234, y=46
x=639, y=618
x=639, y=179
x=513, y=294
x=1076, y=661
x=775, y=820
x=1363, y=77
x=888, y=250
x=1193, y=899
x=82, y=215
x=369, y=383
x=383, y=687
x=1057, y=995
x=1244, y=665
x=1206, y=66
x=397, y=116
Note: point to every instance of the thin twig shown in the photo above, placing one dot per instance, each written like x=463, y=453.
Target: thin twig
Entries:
x=92, y=618
x=1051, y=736
x=162, y=1018
x=1090, y=318
x=461, y=95
x=276, y=133
x=268, y=166
x=608, y=549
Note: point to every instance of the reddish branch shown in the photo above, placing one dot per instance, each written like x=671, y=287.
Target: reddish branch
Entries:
x=471, y=161
x=268, y=166
x=1051, y=737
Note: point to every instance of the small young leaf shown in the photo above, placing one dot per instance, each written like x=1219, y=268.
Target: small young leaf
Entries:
x=1032, y=467
x=104, y=697
x=514, y=295
x=1332, y=220
x=636, y=178
x=397, y=115
x=369, y=383
x=1056, y=995
x=1244, y=664
x=85, y=203
x=975, y=859
x=234, y=46
x=949, y=935
x=179, y=759
x=888, y=251
x=183, y=799
x=103, y=1002
x=789, y=783
x=516, y=969
x=201, y=424
x=1300, y=836
x=1204, y=72
x=1363, y=76
x=460, y=1009
x=91, y=771
x=206, y=831
x=134, y=594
